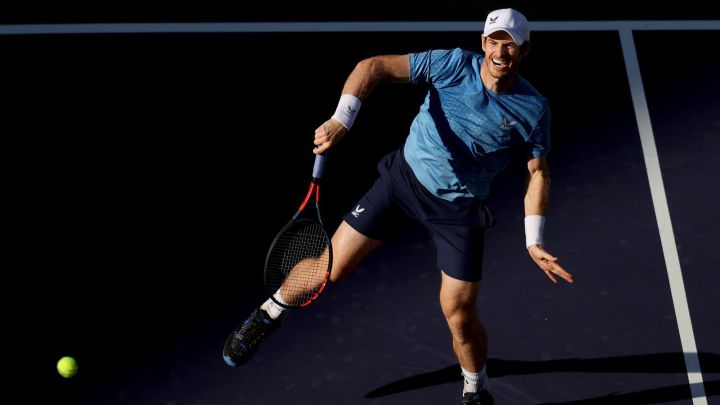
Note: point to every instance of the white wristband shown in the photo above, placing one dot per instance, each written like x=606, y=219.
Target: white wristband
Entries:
x=347, y=109
x=534, y=227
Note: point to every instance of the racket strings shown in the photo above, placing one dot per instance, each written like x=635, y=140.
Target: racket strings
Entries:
x=299, y=263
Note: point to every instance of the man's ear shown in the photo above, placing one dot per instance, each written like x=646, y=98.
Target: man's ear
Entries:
x=482, y=41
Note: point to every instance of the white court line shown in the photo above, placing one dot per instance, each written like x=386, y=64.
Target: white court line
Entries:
x=625, y=28
x=360, y=26
x=662, y=215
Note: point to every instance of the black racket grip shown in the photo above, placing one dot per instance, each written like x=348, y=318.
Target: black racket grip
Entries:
x=319, y=166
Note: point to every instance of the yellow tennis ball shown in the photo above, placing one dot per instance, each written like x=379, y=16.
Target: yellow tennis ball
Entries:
x=67, y=367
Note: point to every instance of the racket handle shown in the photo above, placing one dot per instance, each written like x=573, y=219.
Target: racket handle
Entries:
x=319, y=167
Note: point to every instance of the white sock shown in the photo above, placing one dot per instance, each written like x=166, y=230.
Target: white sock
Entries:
x=475, y=382
x=273, y=309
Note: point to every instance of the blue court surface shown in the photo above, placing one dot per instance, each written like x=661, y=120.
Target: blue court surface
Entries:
x=153, y=169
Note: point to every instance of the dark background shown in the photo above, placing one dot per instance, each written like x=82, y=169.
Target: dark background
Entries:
x=147, y=174
x=371, y=10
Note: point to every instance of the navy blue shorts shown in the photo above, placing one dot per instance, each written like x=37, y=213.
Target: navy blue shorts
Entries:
x=397, y=198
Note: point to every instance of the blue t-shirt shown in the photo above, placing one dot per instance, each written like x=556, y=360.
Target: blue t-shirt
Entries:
x=463, y=135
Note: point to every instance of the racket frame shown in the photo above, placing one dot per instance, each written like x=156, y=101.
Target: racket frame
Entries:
x=318, y=170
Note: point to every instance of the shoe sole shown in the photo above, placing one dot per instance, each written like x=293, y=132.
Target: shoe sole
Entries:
x=229, y=361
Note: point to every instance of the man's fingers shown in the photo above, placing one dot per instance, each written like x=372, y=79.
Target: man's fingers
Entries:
x=321, y=141
x=320, y=137
x=320, y=148
x=549, y=274
x=547, y=256
x=553, y=267
x=565, y=275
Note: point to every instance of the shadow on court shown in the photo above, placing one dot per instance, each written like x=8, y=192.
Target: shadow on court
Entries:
x=646, y=363
x=653, y=396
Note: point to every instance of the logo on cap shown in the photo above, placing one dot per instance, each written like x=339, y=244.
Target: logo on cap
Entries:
x=509, y=20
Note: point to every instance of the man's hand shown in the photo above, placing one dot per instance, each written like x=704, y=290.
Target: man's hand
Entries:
x=327, y=135
x=548, y=263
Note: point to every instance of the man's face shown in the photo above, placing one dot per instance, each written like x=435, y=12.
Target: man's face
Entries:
x=502, y=55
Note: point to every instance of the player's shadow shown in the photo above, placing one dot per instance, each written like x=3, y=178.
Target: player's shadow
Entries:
x=644, y=363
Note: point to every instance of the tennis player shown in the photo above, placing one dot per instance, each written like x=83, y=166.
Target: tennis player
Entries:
x=477, y=112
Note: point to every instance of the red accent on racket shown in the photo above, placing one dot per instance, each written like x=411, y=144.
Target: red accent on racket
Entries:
x=299, y=260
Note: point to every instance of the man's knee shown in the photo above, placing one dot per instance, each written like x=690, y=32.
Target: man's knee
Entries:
x=458, y=301
x=460, y=314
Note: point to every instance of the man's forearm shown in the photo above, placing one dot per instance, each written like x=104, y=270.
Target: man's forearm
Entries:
x=537, y=195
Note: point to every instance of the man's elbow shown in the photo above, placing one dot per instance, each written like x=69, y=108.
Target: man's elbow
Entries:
x=385, y=67
x=538, y=177
x=538, y=167
x=366, y=63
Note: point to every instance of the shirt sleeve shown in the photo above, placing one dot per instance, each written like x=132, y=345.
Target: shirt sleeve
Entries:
x=540, y=136
x=439, y=67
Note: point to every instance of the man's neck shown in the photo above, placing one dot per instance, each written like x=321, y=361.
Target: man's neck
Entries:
x=496, y=85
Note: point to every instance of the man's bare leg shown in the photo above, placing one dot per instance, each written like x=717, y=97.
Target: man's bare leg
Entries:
x=458, y=301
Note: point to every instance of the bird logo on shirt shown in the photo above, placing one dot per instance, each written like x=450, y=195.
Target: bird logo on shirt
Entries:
x=507, y=124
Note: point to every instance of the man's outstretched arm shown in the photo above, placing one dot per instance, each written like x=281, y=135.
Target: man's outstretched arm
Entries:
x=371, y=71
x=362, y=80
x=537, y=197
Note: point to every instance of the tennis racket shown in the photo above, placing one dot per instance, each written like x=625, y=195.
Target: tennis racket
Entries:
x=300, y=258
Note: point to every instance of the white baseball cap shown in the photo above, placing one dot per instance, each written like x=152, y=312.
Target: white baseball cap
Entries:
x=510, y=21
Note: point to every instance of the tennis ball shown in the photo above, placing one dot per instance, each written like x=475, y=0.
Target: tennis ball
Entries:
x=67, y=367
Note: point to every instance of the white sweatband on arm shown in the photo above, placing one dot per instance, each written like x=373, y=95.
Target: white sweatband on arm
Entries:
x=534, y=227
x=347, y=109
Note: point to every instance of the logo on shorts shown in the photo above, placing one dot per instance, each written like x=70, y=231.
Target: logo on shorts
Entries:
x=507, y=124
x=357, y=211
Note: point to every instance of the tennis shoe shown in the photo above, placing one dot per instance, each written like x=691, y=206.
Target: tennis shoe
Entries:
x=242, y=343
x=478, y=398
